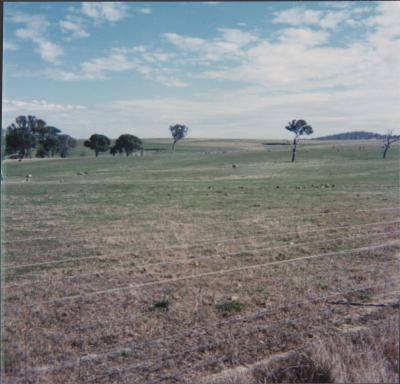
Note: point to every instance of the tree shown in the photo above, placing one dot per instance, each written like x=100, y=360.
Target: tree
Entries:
x=27, y=133
x=66, y=143
x=387, y=141
x=128, y=143
x=99, y=143
x=51, y=144
x=299, y=128
x=178, y=131
x=113, y=150
x=20, y=136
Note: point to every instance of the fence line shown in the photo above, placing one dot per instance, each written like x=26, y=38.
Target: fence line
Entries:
x=238, y=220
x=214, y=361
x=191, y=258
x=214, y=344
x=250, y=317
x=206, y=274
x=197, y=331
x=213, y=239
x=74, y=259
x=90, y=324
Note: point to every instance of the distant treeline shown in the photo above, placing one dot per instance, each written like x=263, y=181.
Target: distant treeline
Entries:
x=28, y=135
x=355, y=135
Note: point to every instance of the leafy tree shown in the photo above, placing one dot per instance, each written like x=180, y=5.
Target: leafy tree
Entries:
x=178, y=132
x=20, y=137
x=51, y=144
x=299, y=128
x=27, y=133
x=128, y=143
x=113, y=150
x=41, y=152
x=387, y=141
x=66, y=143
x=99, y=143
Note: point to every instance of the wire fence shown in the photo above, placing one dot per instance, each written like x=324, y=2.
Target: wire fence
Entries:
x=75, y=259
x=153, y=359
x=205, y=274
x=87, y=366
x=92, y=325
x=85, y=360
x=257, y=218
x=191, y=258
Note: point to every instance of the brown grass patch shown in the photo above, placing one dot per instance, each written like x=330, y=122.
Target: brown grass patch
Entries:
x=362, y=355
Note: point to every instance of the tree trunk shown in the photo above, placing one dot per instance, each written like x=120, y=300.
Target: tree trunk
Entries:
x=294, y=147
x=384, y=152
x=96, y=153
x=173, y=145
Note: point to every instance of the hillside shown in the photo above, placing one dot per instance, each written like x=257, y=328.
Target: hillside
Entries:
x=355, y=135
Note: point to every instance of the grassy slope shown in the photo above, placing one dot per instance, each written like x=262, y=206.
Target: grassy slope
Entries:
x=129, y=210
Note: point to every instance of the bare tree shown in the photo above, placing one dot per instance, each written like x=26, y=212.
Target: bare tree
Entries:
x=388, y=140
x=299, y=128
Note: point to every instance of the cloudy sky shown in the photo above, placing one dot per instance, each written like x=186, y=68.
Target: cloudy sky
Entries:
x=239, y=70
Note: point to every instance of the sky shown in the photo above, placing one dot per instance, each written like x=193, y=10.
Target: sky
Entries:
x=224, y=69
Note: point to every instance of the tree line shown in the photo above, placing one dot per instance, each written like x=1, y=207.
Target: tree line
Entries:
x=28, y=133
x=127, y=143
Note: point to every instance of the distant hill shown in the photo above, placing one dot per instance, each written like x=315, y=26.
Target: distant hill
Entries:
x=356, y=135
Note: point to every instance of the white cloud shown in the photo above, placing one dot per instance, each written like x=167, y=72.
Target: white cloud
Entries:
x=34, y=29
x=73, y=26
x=302, y=16
x=250, y=112
x=303, y=36
x=145, y=11
x=115, y=62
x=9, y=46
x=184, y=42
x=386, y=21
x=49, y=51
x=227, y=45
x=35, y=106
x=237, y=36
x=104, y=11
x=295, y=73
x=148, y=64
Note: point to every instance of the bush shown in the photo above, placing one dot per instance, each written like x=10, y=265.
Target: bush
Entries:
x=228, y=307
x=162, y=304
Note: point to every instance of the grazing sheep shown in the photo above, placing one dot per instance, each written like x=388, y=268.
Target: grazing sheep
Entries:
x=233, y=165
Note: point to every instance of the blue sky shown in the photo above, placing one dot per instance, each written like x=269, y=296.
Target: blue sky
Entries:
x=225, y=69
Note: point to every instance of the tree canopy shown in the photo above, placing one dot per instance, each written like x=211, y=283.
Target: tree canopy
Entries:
x=299, y=128
x=99, y=143
x=127, y=143
x=178, y=132
x=29, y=133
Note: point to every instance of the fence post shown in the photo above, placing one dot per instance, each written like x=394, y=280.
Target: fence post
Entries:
x=80, y=338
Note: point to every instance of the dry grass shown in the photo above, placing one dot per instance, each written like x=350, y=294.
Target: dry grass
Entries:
x=364, y=355
x=158, y=238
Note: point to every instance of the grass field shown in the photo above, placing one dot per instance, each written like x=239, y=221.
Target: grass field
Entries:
x=172, y=267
